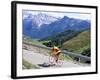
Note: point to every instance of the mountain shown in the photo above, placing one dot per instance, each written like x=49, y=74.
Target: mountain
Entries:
x=63, y=24
x=42, y=25
x=71, y=24
x=40, y=19
x=32, y=24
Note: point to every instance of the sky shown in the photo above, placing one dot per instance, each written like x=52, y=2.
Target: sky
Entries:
x=83, y=16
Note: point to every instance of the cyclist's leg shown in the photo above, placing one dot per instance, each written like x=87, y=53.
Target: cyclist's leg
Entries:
x=57, y=57
x=59, y=61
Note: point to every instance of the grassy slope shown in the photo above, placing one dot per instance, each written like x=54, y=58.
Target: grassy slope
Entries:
x=78, y=44
x=28, y=65
x=32, y=41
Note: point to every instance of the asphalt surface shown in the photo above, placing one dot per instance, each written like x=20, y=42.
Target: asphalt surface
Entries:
x=40, y=58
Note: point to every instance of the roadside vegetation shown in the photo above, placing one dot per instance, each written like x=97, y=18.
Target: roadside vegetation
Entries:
x=28, y=65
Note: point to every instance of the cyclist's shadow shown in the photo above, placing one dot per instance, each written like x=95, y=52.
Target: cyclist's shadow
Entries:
x=46, y=65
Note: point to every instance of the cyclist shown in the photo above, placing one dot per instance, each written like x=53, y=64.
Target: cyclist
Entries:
x=55, y=53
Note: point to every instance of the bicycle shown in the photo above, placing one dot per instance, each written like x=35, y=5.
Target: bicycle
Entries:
x=53, y=61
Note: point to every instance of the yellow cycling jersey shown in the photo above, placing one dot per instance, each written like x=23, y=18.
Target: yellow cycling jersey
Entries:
x=56, y=49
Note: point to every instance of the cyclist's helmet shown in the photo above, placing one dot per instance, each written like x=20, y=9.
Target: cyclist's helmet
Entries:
x=55, y=48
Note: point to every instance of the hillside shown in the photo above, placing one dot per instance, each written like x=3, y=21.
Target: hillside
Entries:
x=59, y=39
x=70, y=40
x=31, y=41
x=78, y=44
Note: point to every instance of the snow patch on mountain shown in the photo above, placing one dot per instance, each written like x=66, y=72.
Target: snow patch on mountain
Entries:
x=40, y=19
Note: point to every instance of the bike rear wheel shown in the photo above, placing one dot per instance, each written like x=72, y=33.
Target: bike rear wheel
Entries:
x=60, y=60
x=60, y=63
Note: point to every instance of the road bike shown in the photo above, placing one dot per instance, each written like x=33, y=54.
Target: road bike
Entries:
x=52, y=60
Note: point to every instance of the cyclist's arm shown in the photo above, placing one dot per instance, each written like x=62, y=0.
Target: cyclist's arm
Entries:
x=57, y=52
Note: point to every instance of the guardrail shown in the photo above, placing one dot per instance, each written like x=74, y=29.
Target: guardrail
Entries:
x=63, y=51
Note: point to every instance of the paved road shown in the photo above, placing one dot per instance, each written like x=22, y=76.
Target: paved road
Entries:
x=37, y=58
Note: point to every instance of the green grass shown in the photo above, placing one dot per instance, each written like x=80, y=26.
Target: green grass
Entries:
x=32, y=41
x=28, y=65
x=78, y=44
x=66, y=57
x=83, y=48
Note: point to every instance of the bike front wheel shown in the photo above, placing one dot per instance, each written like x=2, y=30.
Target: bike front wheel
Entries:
x=51, y=59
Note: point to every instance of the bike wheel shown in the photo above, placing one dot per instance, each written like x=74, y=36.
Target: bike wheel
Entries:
x=60, y=60
x=51, y=59
x=60, y=63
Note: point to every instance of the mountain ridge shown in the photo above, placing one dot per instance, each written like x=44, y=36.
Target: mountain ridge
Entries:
x=31, y=29
x=41, y=19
